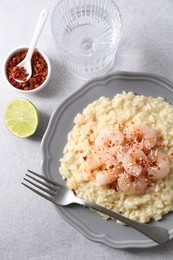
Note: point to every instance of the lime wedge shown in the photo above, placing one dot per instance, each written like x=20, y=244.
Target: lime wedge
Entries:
x=21, y=117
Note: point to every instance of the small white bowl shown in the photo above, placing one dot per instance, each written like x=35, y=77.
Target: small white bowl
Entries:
x=43, y=85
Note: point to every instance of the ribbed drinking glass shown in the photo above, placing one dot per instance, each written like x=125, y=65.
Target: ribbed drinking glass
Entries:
x=87, y=33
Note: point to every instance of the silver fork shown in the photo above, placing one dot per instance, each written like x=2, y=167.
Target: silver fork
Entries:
x=60, y=195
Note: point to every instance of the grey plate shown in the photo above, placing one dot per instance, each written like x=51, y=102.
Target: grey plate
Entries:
x=85, y=221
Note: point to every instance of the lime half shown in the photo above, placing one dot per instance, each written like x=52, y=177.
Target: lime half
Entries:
x=21, y=117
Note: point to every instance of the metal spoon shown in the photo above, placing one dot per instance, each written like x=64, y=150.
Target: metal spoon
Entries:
x=26, y=63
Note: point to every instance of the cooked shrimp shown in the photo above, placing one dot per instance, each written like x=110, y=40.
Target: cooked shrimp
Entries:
x=159, y=165
x=106, y=159
x=106, y=177
x=96, y=162
x=112, y=163
x=119, y=151
x=131, y=185
x=135, y=162
x=143, y=136
x=108, y=138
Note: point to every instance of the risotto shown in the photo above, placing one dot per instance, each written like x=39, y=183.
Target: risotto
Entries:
x=84, y=173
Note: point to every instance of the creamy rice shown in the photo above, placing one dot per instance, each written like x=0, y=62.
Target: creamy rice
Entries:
x=122, y=109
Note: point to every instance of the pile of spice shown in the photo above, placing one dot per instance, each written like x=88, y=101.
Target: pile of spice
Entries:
x=19, y=73
x=39, y=70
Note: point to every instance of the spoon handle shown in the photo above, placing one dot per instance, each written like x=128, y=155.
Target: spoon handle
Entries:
x=41, y=21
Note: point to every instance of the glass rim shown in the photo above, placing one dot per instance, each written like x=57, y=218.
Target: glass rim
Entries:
x=75, y=57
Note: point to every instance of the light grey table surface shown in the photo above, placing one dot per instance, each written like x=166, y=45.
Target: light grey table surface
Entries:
x=29, y=226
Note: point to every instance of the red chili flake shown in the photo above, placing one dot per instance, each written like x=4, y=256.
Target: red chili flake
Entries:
x=171, y=154
x=84, y=157
x=90, y=142
x=153, y=164
x=116, y=188
x=160, y=137
x=19, y=73
x=91, y=131
x=39, y=70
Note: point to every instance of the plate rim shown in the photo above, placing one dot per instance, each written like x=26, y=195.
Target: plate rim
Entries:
x=46, y=157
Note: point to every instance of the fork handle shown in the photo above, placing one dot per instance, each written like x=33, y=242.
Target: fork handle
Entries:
x=159, y=234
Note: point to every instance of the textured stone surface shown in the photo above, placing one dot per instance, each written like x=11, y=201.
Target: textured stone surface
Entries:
x=29, y=226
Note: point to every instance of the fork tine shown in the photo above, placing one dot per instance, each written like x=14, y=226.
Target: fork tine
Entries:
x=46, y=179
x=39, y=187
x=39, y=193
x=41, y=182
